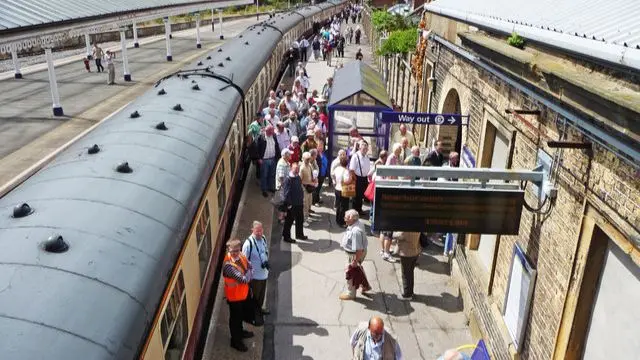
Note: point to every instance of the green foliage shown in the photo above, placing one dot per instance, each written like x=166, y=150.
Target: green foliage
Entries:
x=384, y=21
x=399, y=42
x=516, y=40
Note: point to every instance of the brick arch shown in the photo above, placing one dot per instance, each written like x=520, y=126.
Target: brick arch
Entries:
x=451, y=104
x=455, y=98
x=451, y=83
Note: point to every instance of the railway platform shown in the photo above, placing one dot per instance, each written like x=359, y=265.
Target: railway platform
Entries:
x=308, y=320
x=29, y=132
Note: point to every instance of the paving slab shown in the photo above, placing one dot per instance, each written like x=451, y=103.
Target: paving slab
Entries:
x=307, y=319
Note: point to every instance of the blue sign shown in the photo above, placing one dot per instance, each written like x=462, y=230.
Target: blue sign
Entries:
x=480, y=353
x=422, y=118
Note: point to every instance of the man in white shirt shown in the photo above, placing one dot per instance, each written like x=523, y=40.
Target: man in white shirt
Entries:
x=282, y=135
x=256, y=250
x=302, y=103
x=289, y=102
x=272, y=105
x=304, y=47
x=403, y=132
x=359, y=167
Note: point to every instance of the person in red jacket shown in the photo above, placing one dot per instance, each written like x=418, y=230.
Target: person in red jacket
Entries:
x=296, y=152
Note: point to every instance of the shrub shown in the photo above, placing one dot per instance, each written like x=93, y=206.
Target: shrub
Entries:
x=384, y=21
x=399, y=42
x=516, y=40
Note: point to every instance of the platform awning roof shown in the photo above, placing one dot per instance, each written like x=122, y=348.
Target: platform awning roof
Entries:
x=604, y=30
x=357, y=78
x=25, y=23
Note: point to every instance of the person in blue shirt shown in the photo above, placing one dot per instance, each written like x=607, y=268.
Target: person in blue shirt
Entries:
x=256, y=250
x=323, y=166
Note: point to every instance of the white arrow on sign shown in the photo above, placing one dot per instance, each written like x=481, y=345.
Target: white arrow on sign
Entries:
x=452, y=120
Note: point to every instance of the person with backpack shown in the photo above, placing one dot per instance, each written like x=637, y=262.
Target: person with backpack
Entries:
x=315, y=46
x=358, y=34
x=256, y=250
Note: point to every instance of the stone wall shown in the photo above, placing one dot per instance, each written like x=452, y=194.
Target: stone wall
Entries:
x=549, y=241
x=601, y=180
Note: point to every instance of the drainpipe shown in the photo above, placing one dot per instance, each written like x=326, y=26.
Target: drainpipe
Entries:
x=432, y=91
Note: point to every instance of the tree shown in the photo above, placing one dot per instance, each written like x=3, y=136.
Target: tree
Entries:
x=385, y=21
x=399, y=42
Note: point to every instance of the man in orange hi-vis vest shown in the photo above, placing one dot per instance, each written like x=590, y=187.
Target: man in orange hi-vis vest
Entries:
x=236, y=271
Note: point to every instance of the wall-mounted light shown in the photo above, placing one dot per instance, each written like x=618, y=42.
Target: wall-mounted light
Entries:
x=522, y=112
x=568, y=145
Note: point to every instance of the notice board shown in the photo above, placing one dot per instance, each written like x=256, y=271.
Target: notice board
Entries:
x=522, y=278
x=468, y=211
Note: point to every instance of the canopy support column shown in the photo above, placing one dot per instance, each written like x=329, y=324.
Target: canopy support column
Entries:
x=220, y=24
x=167, y=35
x=135, y=35
x=55, y=96
x=16, y=63
x=87, y=44
x=198, y=45
x=123, y=50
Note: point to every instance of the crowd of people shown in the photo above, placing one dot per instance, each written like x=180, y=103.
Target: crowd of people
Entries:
x=328, y=40
x=287, y=143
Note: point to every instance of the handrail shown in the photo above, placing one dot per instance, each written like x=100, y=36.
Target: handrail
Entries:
x=483, y=174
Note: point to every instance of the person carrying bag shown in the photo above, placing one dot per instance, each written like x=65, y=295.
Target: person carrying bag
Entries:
x=349, y=188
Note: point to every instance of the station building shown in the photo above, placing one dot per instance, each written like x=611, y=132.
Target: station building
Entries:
x=569, y=100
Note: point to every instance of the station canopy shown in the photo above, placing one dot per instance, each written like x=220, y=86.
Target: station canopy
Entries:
x=40, y=23
x=358, y=84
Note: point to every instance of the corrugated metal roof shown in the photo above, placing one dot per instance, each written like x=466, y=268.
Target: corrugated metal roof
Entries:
x=25, y=13
x=357, y=77
x=596, y=28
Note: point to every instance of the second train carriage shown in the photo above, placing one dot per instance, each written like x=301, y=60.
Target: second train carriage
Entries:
x=113, y=248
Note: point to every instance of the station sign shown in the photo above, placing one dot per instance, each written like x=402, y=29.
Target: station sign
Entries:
x=422, y=118
x=469, y=211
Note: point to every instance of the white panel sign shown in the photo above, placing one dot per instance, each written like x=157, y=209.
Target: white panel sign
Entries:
x=518, y=299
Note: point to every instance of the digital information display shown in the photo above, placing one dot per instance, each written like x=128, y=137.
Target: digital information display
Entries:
x=469, y=211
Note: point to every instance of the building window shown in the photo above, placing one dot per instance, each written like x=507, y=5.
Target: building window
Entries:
x=221, y=186
x=174, y=326
x=203, y=236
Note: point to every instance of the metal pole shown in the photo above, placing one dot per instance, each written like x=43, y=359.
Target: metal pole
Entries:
x=198, y=45
x=55, y=96
x=123, y=50
x=220, y=24
x=213, y=26
x=16, y=63
x=135, y=35
x=257, y=9
x=87, y=44
x=167, y=35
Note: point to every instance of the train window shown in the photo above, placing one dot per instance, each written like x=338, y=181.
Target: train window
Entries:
x=173, y=327
x=232, y=152
x=203, y=236
x=179, y=336
x=222, y=195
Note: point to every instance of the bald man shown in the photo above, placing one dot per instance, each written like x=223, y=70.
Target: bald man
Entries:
x=371, y=341
x=453, y=355
x=403, y=132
